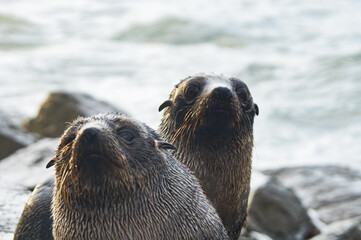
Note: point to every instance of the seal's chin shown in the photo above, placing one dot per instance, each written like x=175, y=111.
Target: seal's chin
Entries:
x=95, y=158
x=219, y=119
x=217, y=123
x=221, y=112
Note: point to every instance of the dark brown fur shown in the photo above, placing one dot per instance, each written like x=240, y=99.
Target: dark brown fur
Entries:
x=114, y=189
x=215, y=146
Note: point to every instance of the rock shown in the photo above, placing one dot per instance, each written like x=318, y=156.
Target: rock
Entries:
x=277, y=212
x=333, y=192
x=349, y=229
x=26, y=167
x=253, y=236
x=12, y=137
x=246, y=238
x=259, y=236
x=61, y=108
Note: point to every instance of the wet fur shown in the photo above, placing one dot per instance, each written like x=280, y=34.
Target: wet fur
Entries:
x=220, y=160
x=145, y=193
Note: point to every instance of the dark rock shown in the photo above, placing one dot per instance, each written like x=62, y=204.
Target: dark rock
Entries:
x=26, y=167
x=8, y=145
x=333, y=192
x=276, y=211
x=61, y=108
x=12, y=137
x=349, y=229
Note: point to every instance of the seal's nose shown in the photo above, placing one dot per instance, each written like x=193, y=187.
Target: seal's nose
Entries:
x=222, y=93
x=90, y=134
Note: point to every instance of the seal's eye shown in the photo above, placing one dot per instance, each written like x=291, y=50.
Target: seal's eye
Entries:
x=242, y=93
x=191, y=91
x=69, y=139
x=126, y=135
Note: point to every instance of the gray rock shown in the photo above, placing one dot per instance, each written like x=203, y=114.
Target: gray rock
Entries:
x=26, y=167
x=61, y=108
x=333, y=192
x=277, y=212
x=12, y=137
x=259, y=236
x=349, y=229
x=253, y=236
x=21, y=172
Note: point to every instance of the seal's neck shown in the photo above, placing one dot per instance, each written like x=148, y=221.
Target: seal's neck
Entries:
x=224, y=172
x=220, y=163
x=92, y=216
x=223, y=166
x=79, y=223
x=229, y=150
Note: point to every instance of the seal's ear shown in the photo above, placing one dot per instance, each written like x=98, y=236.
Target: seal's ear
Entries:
x=167, y=103
x=256, y=109
x=164, y=145
x=50, y=163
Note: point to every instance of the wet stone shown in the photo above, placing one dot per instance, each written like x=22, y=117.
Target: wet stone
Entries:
x=60, y=108
x=276, y=211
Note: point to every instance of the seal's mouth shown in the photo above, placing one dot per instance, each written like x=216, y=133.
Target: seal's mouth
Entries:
x=220, y=115
x=220, y=101
x=95, y=157
x=98, y=159
x=220, y=111
x=217, y=119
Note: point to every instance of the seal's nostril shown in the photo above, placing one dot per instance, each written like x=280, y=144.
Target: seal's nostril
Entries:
x=222, y=92
x=90, y=134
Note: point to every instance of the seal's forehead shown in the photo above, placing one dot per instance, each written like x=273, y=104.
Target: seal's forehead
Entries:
x=123, y=120
x=208, y=81
x=217, y=80
x=211, y=79
x=111, y=120
x=198, y=76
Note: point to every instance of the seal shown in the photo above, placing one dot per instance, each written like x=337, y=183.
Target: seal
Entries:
x=209, y=119
x=36, y=220
x=115, y=179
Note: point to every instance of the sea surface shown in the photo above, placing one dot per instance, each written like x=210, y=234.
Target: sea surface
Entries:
x=301, y=60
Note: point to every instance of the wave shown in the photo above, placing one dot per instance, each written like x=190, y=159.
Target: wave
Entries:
x=172, y=30
x=17, y=33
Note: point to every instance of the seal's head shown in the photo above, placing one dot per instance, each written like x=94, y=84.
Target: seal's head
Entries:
x=103, y=153
x=208, y=105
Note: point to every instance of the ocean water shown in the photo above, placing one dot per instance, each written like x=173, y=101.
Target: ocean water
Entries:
x=301, y=60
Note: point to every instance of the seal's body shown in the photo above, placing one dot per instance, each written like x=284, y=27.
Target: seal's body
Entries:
x=209, y=118
x=115, y=180
x=36, y=220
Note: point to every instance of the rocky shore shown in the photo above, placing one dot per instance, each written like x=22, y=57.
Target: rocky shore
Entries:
x=306, y=202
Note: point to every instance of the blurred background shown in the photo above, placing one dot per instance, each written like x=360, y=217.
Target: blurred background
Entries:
x=301, y=60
